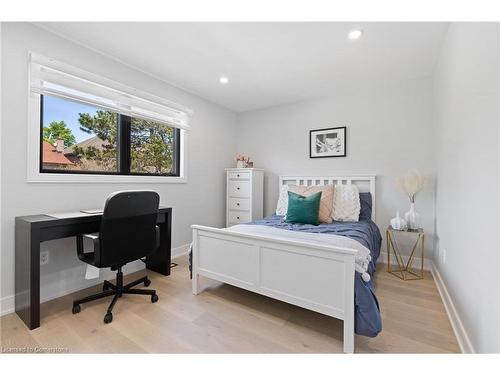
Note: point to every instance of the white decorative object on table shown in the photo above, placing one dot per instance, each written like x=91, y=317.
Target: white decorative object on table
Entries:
x=243, y=161
x=398, y=222
x=411, y=183
x=412, y=217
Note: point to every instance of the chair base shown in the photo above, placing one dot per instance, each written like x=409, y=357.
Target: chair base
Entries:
x=109, y=289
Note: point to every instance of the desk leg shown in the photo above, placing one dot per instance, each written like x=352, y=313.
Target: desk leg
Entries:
x=27, y=278
x=160, y=260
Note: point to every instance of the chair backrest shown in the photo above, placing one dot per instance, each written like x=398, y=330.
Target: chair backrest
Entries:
x=128, y=227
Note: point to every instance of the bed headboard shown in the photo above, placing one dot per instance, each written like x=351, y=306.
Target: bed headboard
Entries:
x=365, y=183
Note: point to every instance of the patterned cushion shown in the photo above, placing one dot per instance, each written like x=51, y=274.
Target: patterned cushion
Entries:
x=326, y=204
x=346, y=205
x=282, y=205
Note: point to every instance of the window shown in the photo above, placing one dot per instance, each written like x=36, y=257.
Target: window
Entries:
x=87, y=128
x=153, y=147
x=81, y=138
x=77, y=137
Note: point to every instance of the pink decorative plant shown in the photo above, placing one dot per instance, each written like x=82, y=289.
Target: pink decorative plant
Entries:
x=242, y=160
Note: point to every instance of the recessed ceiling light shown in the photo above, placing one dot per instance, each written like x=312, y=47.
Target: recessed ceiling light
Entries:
x=224, y=80
x=355, y=34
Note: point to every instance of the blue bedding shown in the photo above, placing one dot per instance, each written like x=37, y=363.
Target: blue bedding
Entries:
x=367, y=312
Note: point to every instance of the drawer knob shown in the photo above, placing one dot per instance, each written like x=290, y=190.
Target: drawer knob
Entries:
x=237, y=188
x=237, y=204
x=237, y=217
x=237, y=175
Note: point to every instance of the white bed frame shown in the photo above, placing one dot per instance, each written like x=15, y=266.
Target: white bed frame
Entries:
x=316, y=277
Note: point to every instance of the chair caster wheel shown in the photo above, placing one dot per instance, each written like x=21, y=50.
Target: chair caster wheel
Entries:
x=105, y=288
x=147, y=282
x=154, y=298
x=108, y=318
x=76, y=309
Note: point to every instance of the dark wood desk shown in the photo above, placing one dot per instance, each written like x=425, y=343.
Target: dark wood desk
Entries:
x=32, y=230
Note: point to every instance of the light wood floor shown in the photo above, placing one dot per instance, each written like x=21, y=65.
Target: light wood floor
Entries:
x=230, y=320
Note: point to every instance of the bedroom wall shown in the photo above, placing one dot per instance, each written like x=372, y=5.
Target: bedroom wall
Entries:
x=211, y=149
x=389, y=130
x=467, y=225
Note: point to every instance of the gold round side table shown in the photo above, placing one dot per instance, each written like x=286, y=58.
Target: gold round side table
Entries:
x=404, y=270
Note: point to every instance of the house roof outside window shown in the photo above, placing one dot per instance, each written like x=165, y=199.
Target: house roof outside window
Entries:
x=52, y=156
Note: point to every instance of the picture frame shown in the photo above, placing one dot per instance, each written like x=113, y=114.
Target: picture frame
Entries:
x=328, y=142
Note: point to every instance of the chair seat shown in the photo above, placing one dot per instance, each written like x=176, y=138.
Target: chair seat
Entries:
x=87, y=258
x=90, y=256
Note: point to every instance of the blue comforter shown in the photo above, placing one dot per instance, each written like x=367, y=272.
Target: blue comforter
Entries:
x=367, y=312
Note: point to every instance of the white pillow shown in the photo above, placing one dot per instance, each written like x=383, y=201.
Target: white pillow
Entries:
x=282, y=206
x=346, y=204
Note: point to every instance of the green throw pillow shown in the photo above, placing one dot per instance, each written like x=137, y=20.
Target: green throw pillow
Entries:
x=304, y=210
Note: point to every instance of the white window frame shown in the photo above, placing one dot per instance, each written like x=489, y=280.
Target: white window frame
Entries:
x=34, y=175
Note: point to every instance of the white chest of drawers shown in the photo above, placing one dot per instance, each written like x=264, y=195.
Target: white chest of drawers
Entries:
x=244, y=195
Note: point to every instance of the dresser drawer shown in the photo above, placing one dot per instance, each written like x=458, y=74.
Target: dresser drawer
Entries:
x=238, y=175
x=238, y=217
x=238, y=204
x=240, y=189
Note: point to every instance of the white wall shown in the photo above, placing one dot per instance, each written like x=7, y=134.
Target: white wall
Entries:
x=1, y=179
x=466, y=100
x=201, y=200
x=388, y=132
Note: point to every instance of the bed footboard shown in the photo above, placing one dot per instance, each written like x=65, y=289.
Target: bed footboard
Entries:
x=315, y=277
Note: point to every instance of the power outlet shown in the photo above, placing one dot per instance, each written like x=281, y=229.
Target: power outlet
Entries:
x=44, y=257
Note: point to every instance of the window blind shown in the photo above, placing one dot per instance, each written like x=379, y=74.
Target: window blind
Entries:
x=51, y=77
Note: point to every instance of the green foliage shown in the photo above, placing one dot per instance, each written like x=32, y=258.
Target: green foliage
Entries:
x=152, y=148
x=58, y=130
x=151, y=143
x=103, y=125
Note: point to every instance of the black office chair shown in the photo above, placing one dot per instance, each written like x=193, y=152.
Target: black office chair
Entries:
x=128, y=232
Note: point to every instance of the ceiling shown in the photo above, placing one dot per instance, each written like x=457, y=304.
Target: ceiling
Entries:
x=267, y=64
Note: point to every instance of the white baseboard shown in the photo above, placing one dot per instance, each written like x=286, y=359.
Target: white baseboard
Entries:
x=7, y=304
x=180, y=250
x=456, y=323
x=383, y=259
